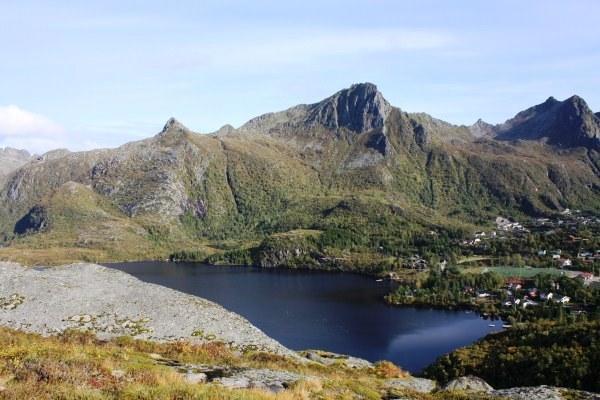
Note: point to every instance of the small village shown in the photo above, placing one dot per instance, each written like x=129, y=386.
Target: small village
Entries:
x=530, y=267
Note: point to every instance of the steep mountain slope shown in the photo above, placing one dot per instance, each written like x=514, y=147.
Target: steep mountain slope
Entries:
x=481, y=128
x=351, y=166
x=568, y=123
x=11, y=159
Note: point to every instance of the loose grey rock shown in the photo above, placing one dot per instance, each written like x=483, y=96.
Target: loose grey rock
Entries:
x=421, y=385
x=197, y=377
x=542, y=393
x=469, y=384
x=530, y=393
x=237, y=382
x=266, y=379
x=329, y=358
x=111, y=303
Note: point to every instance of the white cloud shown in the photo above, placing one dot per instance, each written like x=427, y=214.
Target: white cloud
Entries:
x=27, y=130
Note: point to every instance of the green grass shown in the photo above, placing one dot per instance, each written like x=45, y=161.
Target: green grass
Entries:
x=523, y=272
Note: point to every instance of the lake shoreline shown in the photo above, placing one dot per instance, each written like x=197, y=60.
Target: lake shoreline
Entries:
x=329, y=310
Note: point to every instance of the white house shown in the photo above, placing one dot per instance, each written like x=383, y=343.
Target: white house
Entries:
x=529, y=303
x=545, y=296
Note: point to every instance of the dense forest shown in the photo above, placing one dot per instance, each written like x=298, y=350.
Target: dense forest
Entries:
x=548, y=353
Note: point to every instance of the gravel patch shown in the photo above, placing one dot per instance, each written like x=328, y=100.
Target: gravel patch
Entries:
x=544, y=393
x=111, y=303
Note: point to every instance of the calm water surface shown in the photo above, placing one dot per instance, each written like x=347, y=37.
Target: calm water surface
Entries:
x=343, y=313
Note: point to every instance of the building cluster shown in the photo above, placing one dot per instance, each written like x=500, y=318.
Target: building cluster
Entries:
x=506, y=225
x=516, y=295
x=568, y=220
x=415, y=262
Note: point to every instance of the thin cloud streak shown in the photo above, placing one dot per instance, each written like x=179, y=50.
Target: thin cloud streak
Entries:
x=281, y=48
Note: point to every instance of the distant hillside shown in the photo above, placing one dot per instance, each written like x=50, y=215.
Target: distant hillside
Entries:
x=352, y=166
x=11, y=159
x=567, y=123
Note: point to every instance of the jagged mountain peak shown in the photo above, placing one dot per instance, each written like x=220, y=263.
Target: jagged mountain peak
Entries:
x=481, y=128
x=567, y=123
x=11, y=159
x=14, y=152
x=578, y=104
x=225, y=130
x=359, y=108
x=172, y=125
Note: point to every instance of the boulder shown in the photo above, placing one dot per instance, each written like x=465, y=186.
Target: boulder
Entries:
x=469, y=384
x=421, y=385
x=195, y=377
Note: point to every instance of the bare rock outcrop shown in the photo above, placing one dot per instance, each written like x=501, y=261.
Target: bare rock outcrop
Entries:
x=112, y=303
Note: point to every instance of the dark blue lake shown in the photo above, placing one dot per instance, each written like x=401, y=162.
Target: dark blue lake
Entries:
x=339, y=312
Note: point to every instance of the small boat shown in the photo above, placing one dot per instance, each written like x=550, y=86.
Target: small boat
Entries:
x=506, y=326
x=379, y=280
x=492, y=325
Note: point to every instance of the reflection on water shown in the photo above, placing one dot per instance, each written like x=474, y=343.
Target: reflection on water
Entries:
x=343, y=313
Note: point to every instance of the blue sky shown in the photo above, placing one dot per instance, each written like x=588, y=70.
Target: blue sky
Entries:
x=84, y=74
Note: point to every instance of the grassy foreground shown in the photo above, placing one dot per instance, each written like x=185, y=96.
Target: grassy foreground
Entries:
x=76, y=365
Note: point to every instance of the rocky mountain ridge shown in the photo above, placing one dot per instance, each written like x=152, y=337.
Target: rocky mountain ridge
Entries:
x=11, y=159
x=349, y=160
x=567, y=123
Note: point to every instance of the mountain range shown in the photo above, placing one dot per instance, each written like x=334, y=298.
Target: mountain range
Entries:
x=352, y=166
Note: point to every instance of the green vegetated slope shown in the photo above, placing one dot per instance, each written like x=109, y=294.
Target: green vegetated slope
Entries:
x=365, y=174
x=565, y=355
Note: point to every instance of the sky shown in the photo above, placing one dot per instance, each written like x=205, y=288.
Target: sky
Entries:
x=89, y=74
